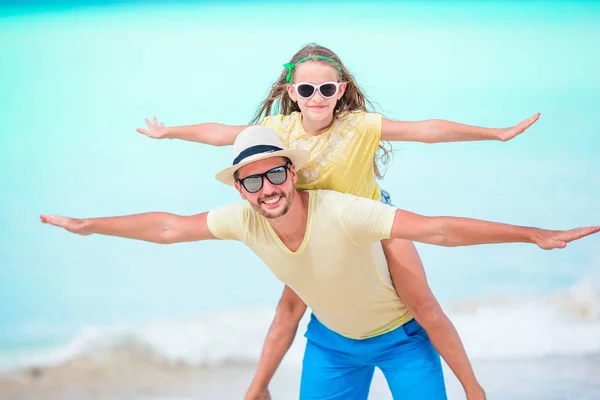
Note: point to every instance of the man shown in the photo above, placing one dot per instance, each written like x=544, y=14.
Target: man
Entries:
x=325, y=246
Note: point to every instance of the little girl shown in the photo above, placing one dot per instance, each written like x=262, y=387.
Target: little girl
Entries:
x=316, y=105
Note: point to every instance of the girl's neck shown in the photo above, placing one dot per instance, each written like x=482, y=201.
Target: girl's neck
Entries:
x=316, y=127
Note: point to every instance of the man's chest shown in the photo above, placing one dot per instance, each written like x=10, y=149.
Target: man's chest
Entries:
x=326, y=256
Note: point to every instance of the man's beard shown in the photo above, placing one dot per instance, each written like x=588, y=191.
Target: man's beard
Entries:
x=286, y=199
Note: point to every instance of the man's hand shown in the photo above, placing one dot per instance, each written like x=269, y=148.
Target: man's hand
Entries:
x=509, y=133
x=72, y=225
x=549, y=240
x=476, y=394
x=258, y=394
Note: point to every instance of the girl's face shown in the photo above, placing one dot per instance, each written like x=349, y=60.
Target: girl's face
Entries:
x=316, y=103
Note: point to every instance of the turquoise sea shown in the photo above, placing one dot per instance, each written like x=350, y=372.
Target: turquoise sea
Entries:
x=76, y=81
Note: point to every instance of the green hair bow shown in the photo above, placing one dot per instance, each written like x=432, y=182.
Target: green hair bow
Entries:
x=290, y=66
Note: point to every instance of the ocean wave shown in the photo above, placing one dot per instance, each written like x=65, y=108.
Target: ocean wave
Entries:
x=567, y=323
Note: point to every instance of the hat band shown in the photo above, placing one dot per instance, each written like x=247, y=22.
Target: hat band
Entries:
x=258, y=149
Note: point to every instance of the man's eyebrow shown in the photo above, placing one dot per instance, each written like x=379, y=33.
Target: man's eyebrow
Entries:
x=264, y=172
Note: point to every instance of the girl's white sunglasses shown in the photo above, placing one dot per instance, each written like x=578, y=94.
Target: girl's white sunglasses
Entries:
x=307, y=90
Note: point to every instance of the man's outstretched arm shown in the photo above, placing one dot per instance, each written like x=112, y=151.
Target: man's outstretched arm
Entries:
x=457, y=231
x=156, y=227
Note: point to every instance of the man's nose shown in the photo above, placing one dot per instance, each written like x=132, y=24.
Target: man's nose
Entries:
x=267, y=186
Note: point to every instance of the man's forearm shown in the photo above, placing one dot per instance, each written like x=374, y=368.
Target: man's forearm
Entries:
x=455, y=231
x=446, y=341
x=151, y=227
x=278, y=342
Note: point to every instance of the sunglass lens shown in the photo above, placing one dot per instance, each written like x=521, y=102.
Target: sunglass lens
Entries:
x=305, y=90
x=253, y=183
x=328, y=90
x=277, y=176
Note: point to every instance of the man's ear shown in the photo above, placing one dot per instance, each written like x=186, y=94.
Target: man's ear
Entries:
x=293, y=174
x=240, y=190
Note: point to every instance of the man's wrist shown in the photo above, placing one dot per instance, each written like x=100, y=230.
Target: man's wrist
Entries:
x=475, y=392
x=87, y=226
x=533, y=235
x=258, y=386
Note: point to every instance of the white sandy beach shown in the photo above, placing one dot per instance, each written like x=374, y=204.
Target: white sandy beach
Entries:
x=542, y=379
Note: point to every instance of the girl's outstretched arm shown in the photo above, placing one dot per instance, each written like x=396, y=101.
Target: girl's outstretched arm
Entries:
x=208, y=133
x=439, y=130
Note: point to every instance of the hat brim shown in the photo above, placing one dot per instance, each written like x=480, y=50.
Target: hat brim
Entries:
x=298, y=158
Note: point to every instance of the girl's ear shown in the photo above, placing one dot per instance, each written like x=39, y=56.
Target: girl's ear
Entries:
x=342, y=90
x=291, y=92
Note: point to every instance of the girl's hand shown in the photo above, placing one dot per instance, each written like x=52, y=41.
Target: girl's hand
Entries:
x=506, y=134
x=155, y=130
x=73, y=225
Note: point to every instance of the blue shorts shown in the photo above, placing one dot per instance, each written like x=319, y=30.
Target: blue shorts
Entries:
x=339, y=368
x=386, y=198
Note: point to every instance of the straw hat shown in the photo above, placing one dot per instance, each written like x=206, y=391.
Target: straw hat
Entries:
x=255, y=143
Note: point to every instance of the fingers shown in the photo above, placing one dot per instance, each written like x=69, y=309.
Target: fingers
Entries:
x=54, y=220
x=529, y=121
x=559, y=239
x=578, y=233
x=151, y=125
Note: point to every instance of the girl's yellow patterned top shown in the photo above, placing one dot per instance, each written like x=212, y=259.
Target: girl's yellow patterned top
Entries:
x=341, y=158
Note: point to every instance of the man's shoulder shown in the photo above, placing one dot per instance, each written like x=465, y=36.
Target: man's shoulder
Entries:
x=240, y=211
x=231, y=207
x=328, y=196
x=340, y=204
x=334, y=203
x=363, y=220
x=236, y=220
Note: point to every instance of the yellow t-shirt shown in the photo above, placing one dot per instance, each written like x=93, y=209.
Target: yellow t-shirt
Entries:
x=341, y=158
x=339, y=270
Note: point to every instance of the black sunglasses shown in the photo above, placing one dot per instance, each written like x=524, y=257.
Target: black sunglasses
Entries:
x=254, y=183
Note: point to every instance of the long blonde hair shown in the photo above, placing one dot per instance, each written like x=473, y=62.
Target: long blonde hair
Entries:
x=279, y=102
